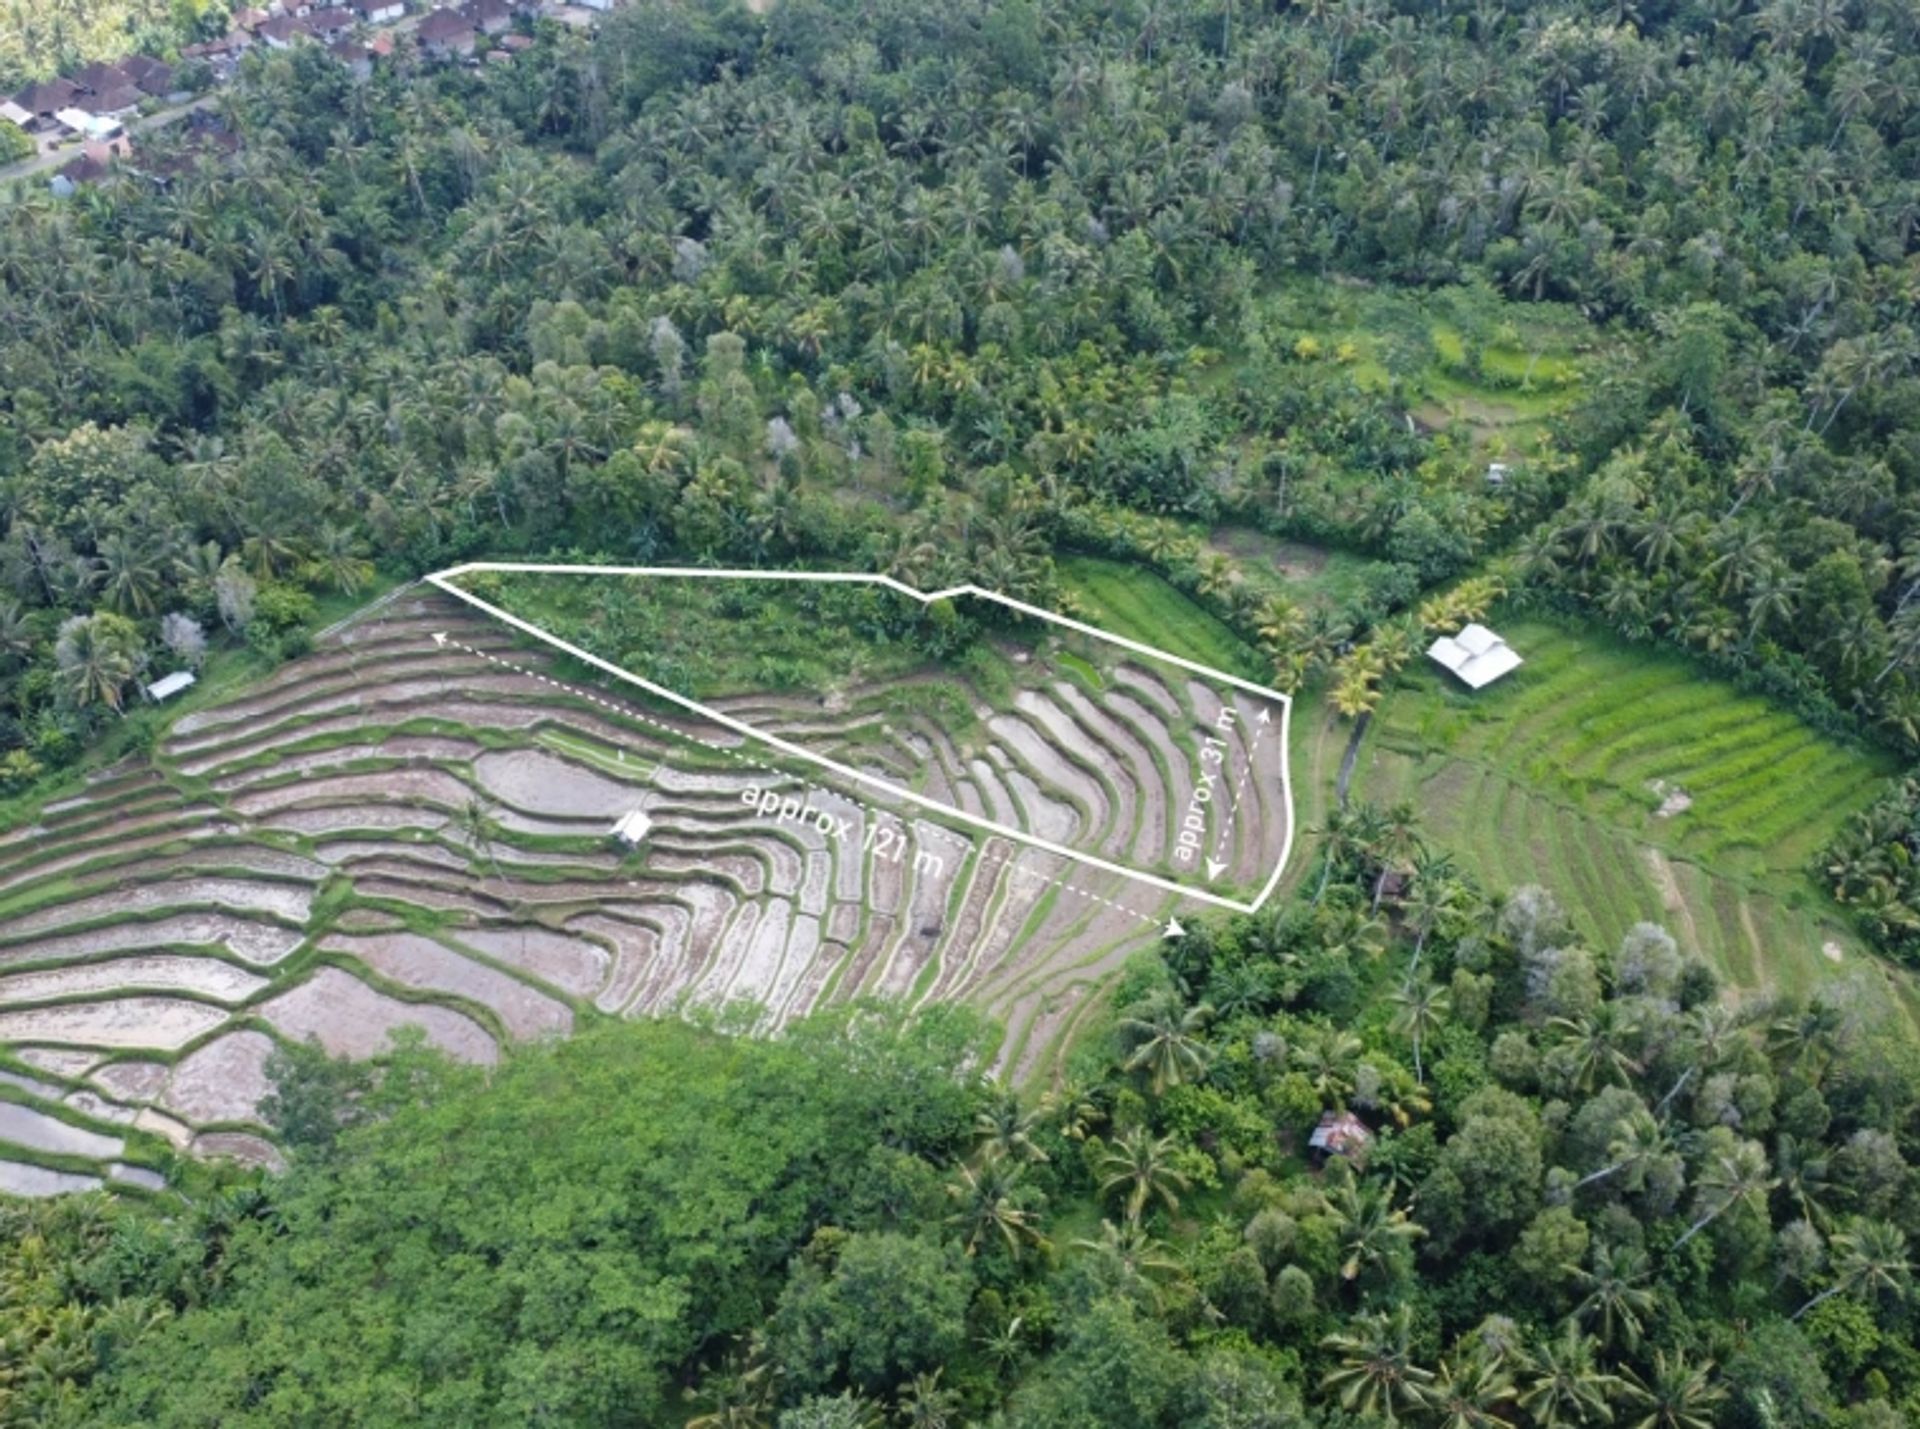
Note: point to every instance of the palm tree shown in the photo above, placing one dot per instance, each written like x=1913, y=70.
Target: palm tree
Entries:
x=1422, y=1008
x=1004, y=1347
x=1733, y=1177
x=1072, y=1106
x=1434, y=903
x=1143, y=1167
x=337, y=560
x=1328, y=1056
x=1468, y=1395
x=1004, y=1130
x=742, y=1393
x=926, y=1404
x=1167, y=1045
x=1376, y=1375
x=1595, y=1042
x=16, y=633
x=1564, y=1384
x=1677, y=1395
x=1139, y=1258
x=1869, y=1259
x=1638, y=1140
x=97, y=657
x=1371, y=1227
x=987, y=1209
x=130, y=577
x=1615, y=1292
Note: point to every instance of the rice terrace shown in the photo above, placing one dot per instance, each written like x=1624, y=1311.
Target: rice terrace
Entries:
x=842, y=787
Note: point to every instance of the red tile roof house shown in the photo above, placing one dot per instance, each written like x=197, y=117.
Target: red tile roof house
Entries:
x=331, y=24
x=282, y=30
x=357, y=58
x=489, y=17
x=98, y=76
x=43, y=101
x=151, y=75
x=445, y=33
x=123, y=98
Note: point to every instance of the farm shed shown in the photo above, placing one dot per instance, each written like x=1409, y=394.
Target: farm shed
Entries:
x=633, y=828
x=1342, y=1134
x=1476, y=656
x=167, y=686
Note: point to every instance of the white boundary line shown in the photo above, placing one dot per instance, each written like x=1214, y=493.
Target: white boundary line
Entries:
x=444, y=580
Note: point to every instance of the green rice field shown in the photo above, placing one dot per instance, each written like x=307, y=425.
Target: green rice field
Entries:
x=1134, y=602
x=1635, y=786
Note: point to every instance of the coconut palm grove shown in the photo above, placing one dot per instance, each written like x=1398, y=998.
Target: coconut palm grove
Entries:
x=1491, y=429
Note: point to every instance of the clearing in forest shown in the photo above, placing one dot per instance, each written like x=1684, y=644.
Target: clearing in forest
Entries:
x=976, y=712
x=1636, y=787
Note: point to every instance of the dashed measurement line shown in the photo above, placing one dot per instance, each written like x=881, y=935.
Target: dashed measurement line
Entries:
x=675, y=732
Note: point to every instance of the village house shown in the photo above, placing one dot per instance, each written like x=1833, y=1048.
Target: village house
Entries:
x=357, y=58
x=93, y=164
x=123, y=98
x=380, y=12
x=330, y=24
x=489, y=17
x=282, y=30
x=1344, y=1135
x=445, y=34
x=42, y=102
x=148, y=75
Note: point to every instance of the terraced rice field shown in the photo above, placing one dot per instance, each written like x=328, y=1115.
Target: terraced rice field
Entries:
x=1635, y=786
x=390, y=833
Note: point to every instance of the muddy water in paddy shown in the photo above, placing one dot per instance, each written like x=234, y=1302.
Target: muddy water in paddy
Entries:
x=17, y=1178
x=419, y=963
x=159, y=1022
x=352, y=1020
x=540, y=783
x=23, y=1126
x=226, y=1080
x=259, y=943
x=206, y=976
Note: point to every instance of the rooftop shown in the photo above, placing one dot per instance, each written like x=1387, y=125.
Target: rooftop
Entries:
x=1476, y=656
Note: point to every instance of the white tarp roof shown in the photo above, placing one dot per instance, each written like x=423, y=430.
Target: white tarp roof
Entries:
x=1476, y=655
x=169, y=685
x=633, y=826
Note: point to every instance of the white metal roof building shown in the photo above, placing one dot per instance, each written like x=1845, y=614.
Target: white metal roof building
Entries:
x=167, y=686
x=1476, y=656
x=633, y=827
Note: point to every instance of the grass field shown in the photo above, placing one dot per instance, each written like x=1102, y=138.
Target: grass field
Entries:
x=1134, y=602
x=1559, y=774
x=1501, y=368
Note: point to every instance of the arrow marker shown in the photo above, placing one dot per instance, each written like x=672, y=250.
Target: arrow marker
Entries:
x=1214, y=865
x=1174, y=930
x=439, y=637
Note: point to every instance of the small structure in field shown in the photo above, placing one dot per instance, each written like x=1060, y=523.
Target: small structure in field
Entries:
x=633, y=828
x=1342, y=1134
x=167, y=686
x=1476, y=656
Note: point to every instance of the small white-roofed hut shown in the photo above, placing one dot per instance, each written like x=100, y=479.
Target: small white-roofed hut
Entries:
x=1476, y=656
x=633, y=828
